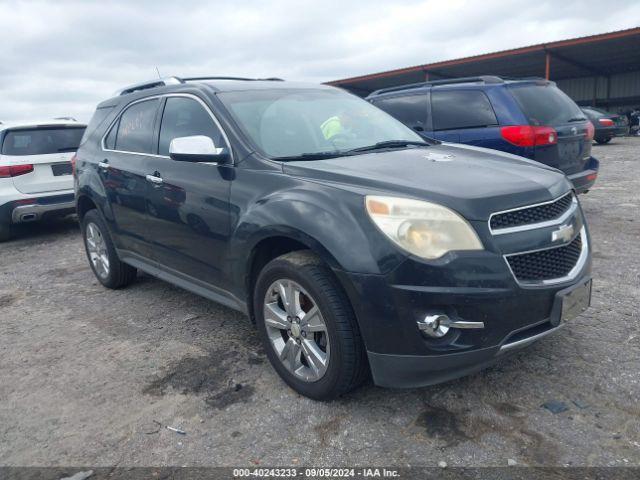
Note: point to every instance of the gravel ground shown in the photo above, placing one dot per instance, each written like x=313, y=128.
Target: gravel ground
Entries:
x=91, y=377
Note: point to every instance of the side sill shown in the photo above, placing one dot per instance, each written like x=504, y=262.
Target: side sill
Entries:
x=181, y=280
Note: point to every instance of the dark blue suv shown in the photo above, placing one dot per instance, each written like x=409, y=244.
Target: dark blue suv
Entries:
x=531, y=118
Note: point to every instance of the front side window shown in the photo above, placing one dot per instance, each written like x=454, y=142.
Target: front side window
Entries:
x=42, y=141
x=184, y=117
x=454, y=109
x=135, y=127
x=294, y=122
x=409, y=109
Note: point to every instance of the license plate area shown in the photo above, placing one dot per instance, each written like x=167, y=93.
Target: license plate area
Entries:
x=572, y=302
x=60, y=169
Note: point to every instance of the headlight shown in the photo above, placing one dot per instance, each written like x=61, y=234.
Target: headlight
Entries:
x=424, y=229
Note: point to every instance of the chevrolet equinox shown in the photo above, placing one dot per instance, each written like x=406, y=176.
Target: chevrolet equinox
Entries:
x=356, y=246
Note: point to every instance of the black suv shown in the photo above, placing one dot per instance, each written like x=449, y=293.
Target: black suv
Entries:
x=355, y=245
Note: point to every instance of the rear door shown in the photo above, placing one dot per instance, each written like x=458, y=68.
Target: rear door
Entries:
x=123, y=170
x=412, y=110
x=464, y=116
x=48, y=148
x=544, y=104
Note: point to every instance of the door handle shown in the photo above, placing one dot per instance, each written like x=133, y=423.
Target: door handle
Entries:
x=104, y=164
x=154, y=179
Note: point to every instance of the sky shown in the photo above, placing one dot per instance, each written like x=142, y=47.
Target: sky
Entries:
x=61, y=58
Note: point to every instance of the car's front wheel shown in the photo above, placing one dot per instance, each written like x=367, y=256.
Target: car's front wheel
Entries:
x=103, y=259
x=308, y=327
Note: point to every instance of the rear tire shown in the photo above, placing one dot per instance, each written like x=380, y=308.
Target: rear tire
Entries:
x=102, y=256
x=5, y=231
x=602, y=141
x=330, y=357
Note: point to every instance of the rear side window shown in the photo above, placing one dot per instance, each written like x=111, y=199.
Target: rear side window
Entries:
x=42, y=141
x=135, y=127
x=461, y=109
x=546, y=104
x=184, y=117
x=96, y=120
x=409, y=109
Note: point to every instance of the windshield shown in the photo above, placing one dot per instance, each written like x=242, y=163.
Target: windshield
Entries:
x=298, y=122
x=42, y=141
x=546, y=104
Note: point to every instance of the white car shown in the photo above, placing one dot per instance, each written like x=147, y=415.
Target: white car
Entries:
x=36, y=178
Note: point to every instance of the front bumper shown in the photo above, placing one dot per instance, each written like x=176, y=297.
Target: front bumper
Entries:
x=464, y=286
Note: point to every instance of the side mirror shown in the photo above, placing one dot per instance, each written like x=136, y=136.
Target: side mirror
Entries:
x=197, y=148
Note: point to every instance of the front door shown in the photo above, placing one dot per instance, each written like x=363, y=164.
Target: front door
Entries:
x=188, y=202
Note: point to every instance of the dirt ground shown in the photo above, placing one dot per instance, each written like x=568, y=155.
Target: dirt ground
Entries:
x=90, y=376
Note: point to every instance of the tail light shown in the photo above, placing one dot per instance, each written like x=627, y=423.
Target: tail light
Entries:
x=590, y=131
x=528, y=136
x=15, y=170
x=73, y=164
x=605, y=122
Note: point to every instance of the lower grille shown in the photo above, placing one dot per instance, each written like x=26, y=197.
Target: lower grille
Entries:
x=547, y=264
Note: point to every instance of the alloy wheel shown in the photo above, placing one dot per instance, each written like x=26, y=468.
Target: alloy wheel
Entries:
x=97, y=249
x=297, y=330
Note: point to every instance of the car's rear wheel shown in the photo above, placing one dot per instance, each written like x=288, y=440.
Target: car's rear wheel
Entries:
x=603, y=140
x=5, y=231
x=103, y=259
x=308, y=327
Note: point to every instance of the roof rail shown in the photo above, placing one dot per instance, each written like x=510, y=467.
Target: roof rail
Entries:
x=446, y=81
x=195, y=79
x=161, y=82
x=71, y=119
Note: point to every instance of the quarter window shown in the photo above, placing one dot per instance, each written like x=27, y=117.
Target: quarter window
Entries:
x=135, y=127
x=185, y=117
x=409, y=109
x=461, y=109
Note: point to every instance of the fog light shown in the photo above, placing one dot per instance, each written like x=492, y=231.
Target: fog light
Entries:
x=435, y=326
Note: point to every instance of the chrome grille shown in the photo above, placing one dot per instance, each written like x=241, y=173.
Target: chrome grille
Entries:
x=531, y=215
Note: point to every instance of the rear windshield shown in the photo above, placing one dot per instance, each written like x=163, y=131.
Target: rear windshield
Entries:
x=546, y=104
x=41, y=141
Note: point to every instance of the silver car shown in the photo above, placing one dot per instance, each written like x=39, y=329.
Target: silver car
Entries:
x=36, y=178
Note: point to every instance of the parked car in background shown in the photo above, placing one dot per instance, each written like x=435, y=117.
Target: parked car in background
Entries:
x=531, y=118
x=607, y=124
x=36, y=180
x=355, y=245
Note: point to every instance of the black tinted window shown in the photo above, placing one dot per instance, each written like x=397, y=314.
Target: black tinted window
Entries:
x=184, y=117
x=546, y=104
x=96, y=120
x=461, y=109
x=409, y=109
x=110, y=139
x=135, y=130
x=42, y=141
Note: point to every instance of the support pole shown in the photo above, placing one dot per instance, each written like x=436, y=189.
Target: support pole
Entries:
x=547, y=65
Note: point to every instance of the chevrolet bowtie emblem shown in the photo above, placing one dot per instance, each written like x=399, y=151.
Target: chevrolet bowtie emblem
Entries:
x=564, y=233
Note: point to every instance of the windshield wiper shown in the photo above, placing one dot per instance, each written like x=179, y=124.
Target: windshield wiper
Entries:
x=389, y=144
x=577, y=119
x=312, y=156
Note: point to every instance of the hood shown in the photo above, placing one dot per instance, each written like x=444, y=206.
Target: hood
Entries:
x=473, y=181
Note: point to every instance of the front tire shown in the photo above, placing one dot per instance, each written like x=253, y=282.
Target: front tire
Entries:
x=103, y=259
x=308, y=327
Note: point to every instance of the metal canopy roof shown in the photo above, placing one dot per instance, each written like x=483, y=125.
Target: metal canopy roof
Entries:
x=603, y=54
